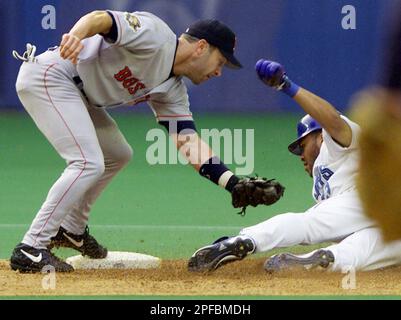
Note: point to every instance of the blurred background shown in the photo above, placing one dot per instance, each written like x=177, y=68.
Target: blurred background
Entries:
x=305, y=35
x=167, y=210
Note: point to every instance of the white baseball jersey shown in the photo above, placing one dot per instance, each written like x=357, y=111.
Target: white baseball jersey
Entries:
x=135, y=68
x=338, y=216
x=335, y=168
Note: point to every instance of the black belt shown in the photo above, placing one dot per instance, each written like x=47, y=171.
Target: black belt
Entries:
x=80, y=85
x=78, y=81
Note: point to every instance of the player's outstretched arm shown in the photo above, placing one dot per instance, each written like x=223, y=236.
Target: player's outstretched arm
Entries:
x=192, y=148
x=272, y=74
x=93, y=23
x=326, y=115
x=244, y=191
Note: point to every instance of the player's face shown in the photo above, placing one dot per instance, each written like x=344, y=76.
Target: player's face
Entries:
x=207, y=64
x=310, y=150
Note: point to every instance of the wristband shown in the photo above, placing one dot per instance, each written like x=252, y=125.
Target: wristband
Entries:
x=288, y=87
x=213, y=169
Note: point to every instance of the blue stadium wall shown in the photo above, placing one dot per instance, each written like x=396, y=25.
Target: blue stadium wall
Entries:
x=305, y=35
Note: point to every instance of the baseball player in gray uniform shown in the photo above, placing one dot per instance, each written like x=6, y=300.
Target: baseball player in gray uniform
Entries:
x=109, y=59
x=327, y=147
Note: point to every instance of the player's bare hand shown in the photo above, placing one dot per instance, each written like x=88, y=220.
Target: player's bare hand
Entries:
x=70, y=47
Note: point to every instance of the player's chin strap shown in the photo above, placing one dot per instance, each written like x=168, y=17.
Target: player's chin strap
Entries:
x=29, y=54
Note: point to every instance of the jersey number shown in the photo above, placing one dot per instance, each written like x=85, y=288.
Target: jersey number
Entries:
x=322, y=190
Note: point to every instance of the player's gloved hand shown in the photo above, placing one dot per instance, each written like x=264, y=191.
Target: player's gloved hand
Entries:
x=70, y=47
x=273, y=74
x=255, y=191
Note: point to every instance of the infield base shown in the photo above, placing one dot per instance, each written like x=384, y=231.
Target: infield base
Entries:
x=116, y=260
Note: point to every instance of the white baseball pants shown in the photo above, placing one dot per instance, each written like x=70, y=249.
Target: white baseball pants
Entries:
x=338, y=218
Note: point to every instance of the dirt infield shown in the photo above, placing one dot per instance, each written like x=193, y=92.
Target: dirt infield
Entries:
x=245, y=278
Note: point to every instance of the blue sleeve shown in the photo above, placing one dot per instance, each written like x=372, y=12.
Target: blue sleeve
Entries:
x=112, y=36
x=174, y=126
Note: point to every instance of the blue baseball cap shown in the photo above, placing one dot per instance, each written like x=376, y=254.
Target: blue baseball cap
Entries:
x=305, y=126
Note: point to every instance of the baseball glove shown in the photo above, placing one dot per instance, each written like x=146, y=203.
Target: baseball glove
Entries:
x=254, y=191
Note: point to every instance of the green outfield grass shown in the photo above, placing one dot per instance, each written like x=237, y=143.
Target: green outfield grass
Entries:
x=162, y=210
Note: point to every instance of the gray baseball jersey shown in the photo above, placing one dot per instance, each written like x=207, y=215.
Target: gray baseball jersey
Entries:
x=136, y=67
x=130, y=64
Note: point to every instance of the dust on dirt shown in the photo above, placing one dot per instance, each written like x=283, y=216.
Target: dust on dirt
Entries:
x=242, y=278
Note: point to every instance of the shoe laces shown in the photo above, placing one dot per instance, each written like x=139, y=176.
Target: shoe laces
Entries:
x=28, y=55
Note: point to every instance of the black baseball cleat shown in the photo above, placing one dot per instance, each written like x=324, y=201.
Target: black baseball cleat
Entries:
x=28, y=259
x=282, y=261
x=222, y=251
x=84, y=243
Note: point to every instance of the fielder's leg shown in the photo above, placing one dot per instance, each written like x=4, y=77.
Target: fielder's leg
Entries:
x=117, y=153
x=49, y=95
x=74, y=232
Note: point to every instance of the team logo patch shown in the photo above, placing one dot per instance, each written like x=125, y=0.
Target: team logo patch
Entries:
x=133, y=21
